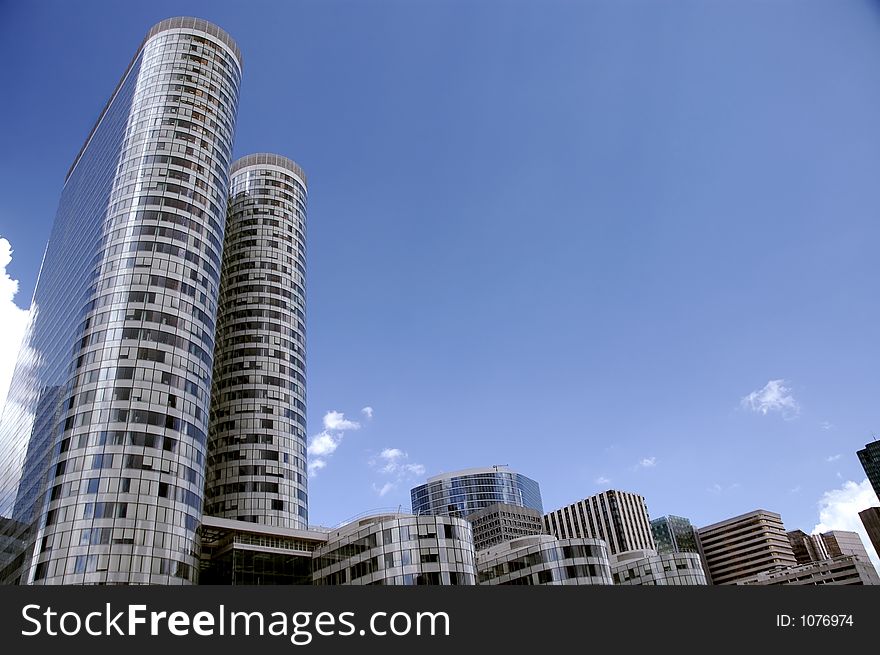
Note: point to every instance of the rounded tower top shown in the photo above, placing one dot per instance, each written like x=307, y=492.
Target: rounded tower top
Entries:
x=267, y=158
x=200, y=25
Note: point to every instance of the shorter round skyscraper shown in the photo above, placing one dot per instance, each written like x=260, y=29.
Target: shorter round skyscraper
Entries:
x=257, y=439
x=462, y=492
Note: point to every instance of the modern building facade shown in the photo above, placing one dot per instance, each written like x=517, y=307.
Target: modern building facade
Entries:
x=463, y=492
x=674, y=534
x=828, y=545
x=869, y=456
x=257, y=439
x=807, y=548
x=246, y=553
x=839, y=543
x=103, y=439
x=619, y=518
x=498, y=523
x=545, y=560
x=871, y=520
x=397, y=549
x=745, y=545
x=649, y=568
x=844, y=570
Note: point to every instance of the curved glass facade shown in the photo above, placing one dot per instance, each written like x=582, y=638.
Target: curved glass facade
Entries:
x=648, y=568
x=398, y=550
x=463, y=492
x=257, y=440
x=103, y=437
x=545, y=560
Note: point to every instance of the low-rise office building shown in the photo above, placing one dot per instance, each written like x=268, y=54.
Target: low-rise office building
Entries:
x=244, y=553
x=649, y=568
x=545, y=560
x=845, y=570
x=397, y=549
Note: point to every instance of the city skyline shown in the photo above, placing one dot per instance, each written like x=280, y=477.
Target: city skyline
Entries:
x=386, y=402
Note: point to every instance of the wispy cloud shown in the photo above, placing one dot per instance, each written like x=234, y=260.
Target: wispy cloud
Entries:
x=384, y=489
x=795, y=490
x=827, y=425
x=367, y=412
x=647, y=463
x=775, y=396
x=394, y=463
x=832, y=458
x=325, y=443
x=839, y=510
x=13, y=321
x=602, y=480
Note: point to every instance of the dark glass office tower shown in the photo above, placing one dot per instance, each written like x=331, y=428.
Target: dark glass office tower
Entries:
x=869, y=456
x=674, y=534
x=104, y=434
x=257, y=445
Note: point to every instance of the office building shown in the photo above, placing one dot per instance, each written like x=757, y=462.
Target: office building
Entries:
x=828, y=545
x=674, y=534
x=619, y=518
x=463, y=492
x=743, y=546
x=844, y=570
x=104, y=435
x=869, y=456
x=844, y=542
x=807, y=548
x=545, y=560
x=871, y=520
x=257, y=440
x=397, y=549
x=246, y=553
x=501, y=522
x=650, y=568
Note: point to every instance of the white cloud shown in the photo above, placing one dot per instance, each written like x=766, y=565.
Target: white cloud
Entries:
x=13, y=321
x=384, y=489
x=647, y=463
x=795, y=490
x=715, y=489
x=328, y=440
x=367, y=411
x=392, y=454
x=324, y=443
x=394, y=462
x=334, y=420
x=602, y=480
x=832, y=458
x=774, y=397
x=839, y=510
x=826, y=425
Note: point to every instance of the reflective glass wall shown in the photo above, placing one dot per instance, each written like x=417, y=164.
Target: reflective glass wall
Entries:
x=103, y=437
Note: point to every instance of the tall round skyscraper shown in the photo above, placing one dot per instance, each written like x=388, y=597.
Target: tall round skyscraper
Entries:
x=103, y=441
x=257, y=445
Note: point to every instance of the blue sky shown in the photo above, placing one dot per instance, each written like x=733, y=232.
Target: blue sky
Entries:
x=571, y=237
